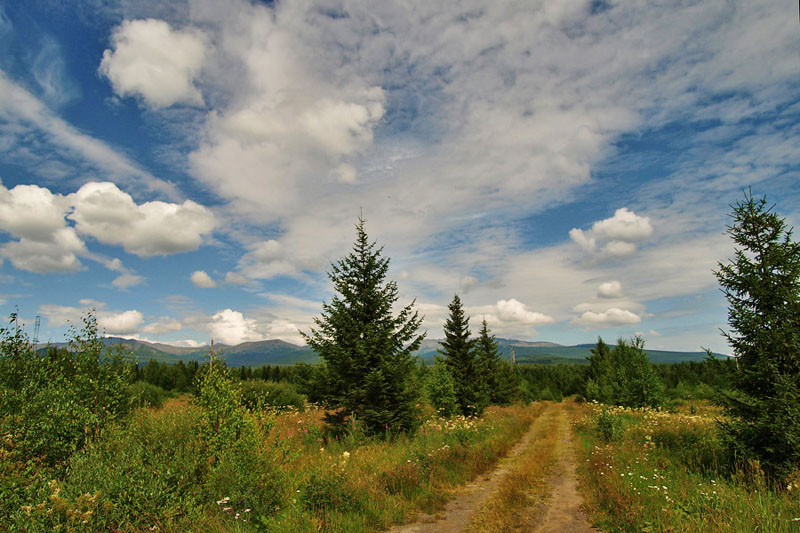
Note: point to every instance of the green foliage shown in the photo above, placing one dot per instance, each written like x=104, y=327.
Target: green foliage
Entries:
x=458, y=353
x=221, y=400
x=440, y=391
x=500, y=380
x=623, y=375
x=367, y=351
x=762, y=285
x=258, y=394
x=53, y=405
x=609, y=426
x=144, y=394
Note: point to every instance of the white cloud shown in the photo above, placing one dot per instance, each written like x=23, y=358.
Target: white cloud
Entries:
x=163, y=325
x=615, y=236
x=150, y=59
x=231, y=327
x=508, y=317
x=108, y=322
x=126, y=280
x=202, y=280
x=610, y=289
x=111, y=216
x=31, y=212
x=236, y=278
x=123, y=323
x=610, y=317
x=467, y=283
x=57, y=253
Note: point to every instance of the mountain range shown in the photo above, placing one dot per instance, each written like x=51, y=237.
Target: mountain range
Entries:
x=278, y=352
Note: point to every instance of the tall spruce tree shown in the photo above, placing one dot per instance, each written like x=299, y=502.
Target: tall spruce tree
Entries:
x=458, y=351
x=366, y=351
x=762, y=285
x=498, y=377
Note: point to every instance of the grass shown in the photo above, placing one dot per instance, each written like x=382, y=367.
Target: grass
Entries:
x=658, y=471
x=162, y=470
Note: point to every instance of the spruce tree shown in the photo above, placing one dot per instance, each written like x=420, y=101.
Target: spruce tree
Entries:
x=366, y=350
x=458, y=351
x=498, y=377
x=762, y=286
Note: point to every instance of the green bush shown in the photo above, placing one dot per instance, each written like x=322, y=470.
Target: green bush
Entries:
x=52, y=405
x=145, y=394
x=258, y=394
x=609, y=426
x=145, y=472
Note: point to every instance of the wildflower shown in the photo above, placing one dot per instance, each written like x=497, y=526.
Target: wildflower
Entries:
x=345, y=454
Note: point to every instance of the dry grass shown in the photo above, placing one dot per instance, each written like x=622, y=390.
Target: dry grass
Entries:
x=517, y=500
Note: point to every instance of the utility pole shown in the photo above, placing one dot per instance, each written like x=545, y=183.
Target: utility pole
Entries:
x=36, y=331
x=513, y=356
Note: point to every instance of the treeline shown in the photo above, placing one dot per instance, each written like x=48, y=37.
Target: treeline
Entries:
x=527, y=381
x=180, y=377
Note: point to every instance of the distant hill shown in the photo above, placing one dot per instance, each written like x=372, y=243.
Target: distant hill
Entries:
x=278, y=352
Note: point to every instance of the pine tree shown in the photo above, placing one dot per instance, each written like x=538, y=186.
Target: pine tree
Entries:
x=500, y=383
x=762, y=285
x=366, y=350
x=461, y=360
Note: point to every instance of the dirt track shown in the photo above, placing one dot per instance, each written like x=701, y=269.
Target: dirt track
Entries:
x=560, y=512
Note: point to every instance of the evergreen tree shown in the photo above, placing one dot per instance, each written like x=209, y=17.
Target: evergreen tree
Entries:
x=599, y=386
x=461, y=360
x=636, y=383
x=499, y=379
x=623, y=375
x=367, y=352
x=762, y=285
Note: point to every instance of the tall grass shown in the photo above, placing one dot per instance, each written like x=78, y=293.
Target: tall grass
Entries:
x=669, y=472
x=160, y=471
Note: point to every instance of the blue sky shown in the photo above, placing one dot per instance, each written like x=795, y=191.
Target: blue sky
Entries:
x=190, y=169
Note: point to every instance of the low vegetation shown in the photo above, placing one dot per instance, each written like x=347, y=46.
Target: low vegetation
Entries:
x=650, y=470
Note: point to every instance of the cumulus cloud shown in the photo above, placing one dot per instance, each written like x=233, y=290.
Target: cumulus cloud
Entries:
x=31, y=212
x=123, y=323
x=109, y=322
x=56, y=253
x=47, y=243
x=610, y=289
x=615, y=236
x=510, y=313
x=202, y=280
x=150, y=59
x=231, y=327
x=111, y=216
x=610, y=317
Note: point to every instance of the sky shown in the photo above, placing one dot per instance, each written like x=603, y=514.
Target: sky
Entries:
x=190, y=169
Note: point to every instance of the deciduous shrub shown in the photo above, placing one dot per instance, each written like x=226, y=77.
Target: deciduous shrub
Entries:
x=258, y=394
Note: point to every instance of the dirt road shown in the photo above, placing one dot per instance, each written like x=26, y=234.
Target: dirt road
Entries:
x=559, y=512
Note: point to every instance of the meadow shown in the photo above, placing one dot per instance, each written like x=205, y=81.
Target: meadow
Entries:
x=652, y=470
x=163, y=469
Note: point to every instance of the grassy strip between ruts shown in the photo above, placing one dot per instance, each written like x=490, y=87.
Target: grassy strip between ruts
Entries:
x=524, y=485
x=646, y=470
